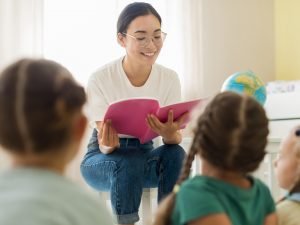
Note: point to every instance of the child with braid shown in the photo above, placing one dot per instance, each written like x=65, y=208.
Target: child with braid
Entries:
x=287, y=170
x=230, y=138
x=41, y=125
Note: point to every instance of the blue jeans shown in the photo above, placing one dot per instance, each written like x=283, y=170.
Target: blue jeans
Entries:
x=129, y=169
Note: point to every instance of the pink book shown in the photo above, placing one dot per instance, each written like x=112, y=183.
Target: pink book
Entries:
x=129, y=116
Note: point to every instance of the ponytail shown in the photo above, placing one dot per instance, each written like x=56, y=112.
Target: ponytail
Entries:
x=165, y=208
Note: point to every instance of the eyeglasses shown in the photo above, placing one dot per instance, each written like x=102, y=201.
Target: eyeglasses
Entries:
x=143, y=41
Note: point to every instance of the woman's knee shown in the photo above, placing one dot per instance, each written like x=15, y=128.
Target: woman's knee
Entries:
x=98, y=174
x=112, y=164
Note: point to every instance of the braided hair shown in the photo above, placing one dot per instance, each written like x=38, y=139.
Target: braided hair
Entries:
x=231, y=134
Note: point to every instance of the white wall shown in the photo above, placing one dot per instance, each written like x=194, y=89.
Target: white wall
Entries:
x=20, y=29
x=236, y=35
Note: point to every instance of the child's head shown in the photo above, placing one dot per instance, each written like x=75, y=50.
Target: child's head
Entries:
x=287, y=165
x=39, y=104
x=231, y=134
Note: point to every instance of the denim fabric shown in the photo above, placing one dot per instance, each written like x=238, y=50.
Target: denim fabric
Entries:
x=129, y=169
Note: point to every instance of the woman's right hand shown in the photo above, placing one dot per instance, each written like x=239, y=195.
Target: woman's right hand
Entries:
x=107, y=137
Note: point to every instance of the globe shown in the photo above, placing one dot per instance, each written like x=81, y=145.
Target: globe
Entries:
x=246, y=82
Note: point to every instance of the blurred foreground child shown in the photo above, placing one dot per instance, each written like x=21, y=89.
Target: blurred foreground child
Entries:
x=41, y=126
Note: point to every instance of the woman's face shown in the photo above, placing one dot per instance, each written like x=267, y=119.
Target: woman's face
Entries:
x=287, y=164
x=143, y=40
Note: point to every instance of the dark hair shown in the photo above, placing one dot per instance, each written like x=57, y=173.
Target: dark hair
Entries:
x=133, y=10
x=231, y=134
x=38, y=100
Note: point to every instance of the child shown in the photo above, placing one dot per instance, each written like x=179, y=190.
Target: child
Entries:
x=41, y=125
x=230, y=138
x=287, y=170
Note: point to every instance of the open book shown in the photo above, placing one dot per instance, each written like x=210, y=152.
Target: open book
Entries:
x=129, y=116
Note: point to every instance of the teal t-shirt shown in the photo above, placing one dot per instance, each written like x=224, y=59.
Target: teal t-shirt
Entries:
x=201, y=196
x=31, y=196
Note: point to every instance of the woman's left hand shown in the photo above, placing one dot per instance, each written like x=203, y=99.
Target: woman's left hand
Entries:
x=168, y=130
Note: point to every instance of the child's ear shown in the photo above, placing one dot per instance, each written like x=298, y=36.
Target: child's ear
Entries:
x=121, y=39
x=297, y=151
x=77, y=133
x=80, y=127
x=297, y=175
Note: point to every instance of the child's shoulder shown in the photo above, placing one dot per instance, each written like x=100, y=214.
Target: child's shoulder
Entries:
x=288, y=212
x=196, y=183
x=260, y=185
x=213, y=185
x=288, y=204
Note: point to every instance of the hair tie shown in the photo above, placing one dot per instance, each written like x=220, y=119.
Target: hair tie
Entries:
x=176, y=188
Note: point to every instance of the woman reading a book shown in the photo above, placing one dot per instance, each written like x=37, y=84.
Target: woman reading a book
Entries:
x=119, y=163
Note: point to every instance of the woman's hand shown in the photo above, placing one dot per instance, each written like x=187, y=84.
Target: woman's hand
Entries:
x=107, y=137
x=170, y=130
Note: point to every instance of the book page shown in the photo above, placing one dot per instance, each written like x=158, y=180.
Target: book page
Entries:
x=178, y=110
x=129, y=116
